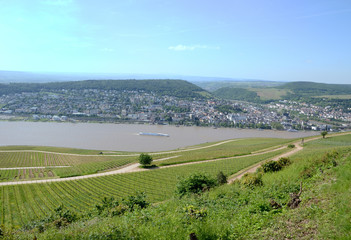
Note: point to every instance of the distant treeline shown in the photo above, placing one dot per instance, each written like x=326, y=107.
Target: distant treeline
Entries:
x=241, y=94
x=316, y=89
x=177, y=88
x=299, y=91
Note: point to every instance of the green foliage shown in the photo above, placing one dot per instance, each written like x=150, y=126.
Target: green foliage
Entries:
x=228, y=109
x=291, y=146
x=177, y=88
x=136, y=201
x=324, y=133
x=231, y=211
x=317, y=89
x=277, y=125
x=111, y=207
x=106, y=206
x=193, y=212
x=195, y=183
x=252, y=180
x=237, y=94
x=271, y=166
x=145, y=159
x=221, y=178
x=284, y=161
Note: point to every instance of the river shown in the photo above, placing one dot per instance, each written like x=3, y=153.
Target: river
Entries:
x=123, y=137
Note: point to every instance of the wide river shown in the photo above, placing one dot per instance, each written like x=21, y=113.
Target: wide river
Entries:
x=123, y=137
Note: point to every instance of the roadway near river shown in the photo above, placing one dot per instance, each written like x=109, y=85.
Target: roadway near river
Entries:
x=135, y=167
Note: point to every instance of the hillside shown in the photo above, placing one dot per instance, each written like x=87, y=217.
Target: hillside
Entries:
x=176, y=88
x=241, y=94
x=256, y=207
x=306, y=91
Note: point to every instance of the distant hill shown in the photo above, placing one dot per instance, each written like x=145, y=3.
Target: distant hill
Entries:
x=212, y=86
x=241, y=94
x=177, y=88
x=293, y=91
x=316, y=89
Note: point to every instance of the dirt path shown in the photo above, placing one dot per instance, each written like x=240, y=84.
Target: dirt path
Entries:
x=135, y=167
x=124, y=155
x=253, y=168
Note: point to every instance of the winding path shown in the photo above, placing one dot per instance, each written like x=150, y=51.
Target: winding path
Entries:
x=135, y=167
x=253, y=168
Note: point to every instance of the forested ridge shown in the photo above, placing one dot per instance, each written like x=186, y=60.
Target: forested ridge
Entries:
x=177, y=88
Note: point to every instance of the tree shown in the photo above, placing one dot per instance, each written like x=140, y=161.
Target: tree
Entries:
x=324, y=133
x=145, y=159
x=221, y=178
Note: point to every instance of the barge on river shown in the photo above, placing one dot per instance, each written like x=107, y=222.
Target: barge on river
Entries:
x=153, y=134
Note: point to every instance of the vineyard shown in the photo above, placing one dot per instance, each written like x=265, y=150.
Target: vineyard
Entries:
x=21, y=204
x=38, y=165
x=224, y=149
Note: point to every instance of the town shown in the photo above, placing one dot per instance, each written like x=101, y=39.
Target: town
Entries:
x=148, y=107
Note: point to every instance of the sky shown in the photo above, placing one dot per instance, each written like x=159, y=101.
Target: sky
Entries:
x=277, y=40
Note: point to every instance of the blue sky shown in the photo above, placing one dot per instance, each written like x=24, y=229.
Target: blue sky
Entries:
x=278, y=40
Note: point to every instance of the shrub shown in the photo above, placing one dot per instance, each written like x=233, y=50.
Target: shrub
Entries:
x=194, y=212
x=252, y=180
x=145, y=159
x=283, y=161
x=137, y=201
x=307, y=172
x=271, y=166
x=221, y=178
x=195, y=183
x=291, y=146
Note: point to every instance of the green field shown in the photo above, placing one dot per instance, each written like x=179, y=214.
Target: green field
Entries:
x=270, y=93
x=63, y=162
x=72, y=165
x=232, y=211
x=348, y=96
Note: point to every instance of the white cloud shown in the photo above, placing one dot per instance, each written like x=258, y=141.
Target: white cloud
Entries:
x=181, y=47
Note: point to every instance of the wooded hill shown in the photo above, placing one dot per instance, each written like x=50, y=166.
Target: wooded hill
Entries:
x=293, y=91
x=176, y=88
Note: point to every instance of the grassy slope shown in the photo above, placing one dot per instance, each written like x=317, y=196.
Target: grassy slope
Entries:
x=236, y=212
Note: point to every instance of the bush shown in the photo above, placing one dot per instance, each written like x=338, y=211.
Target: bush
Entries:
x=195, y=183
x=137, y=201
x=221, y=178
x=145, y=159
x=283, y=161
x=271, y=166
x=252, y=180
x=291, y=146
x=195, y=213
x=307, y=172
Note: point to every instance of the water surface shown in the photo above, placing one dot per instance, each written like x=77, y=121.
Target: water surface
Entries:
x=123, y=137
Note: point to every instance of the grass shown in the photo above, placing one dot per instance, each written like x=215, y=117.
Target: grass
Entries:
x=77, y=165
x=230, y=211
x=84, y=194
x=230, y=149
x=346, y=96
x=84, y=162
x=270, y=93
